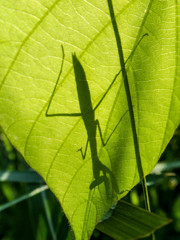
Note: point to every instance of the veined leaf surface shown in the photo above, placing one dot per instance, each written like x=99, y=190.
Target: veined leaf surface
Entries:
x=32, y=33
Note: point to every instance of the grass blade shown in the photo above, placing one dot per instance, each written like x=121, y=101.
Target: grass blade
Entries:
x=48, y=215
x=24, y=197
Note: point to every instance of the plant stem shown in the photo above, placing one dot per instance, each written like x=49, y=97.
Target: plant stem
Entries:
x=130, y=105
x=146, y=195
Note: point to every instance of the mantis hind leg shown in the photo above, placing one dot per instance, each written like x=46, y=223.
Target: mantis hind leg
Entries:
x=104, y=143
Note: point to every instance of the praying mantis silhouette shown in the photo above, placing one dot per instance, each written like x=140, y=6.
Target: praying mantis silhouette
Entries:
x=88, y=116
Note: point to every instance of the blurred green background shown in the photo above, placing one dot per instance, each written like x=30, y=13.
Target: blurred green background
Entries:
x=41, y=217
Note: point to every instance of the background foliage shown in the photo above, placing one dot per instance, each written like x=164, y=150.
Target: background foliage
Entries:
x=28, y=219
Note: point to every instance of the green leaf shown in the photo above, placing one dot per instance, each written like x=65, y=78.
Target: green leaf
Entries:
x=32, y=33
x=129, y=222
